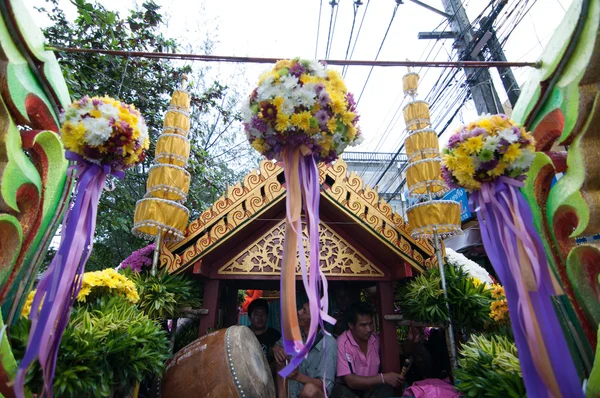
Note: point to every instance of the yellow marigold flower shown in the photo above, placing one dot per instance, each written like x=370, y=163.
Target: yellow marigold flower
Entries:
x=352, y=132
x=283, y=63
x=512, y=153
x=282, y=122
x=73, y=136
x=259, y=145
x=348, y=118
x=485, y=123
x=476, y=281
x=497, y=291
x=499, y=310
x=278, y=101
x=499, y=169
x=465, y=165
x=450, y=161
x=327, y=143
x=332, y=125
x=473, y=144
x=96, y=113
x=309, y=79
x=302, y=120
x=337, y=103
x=27, y=306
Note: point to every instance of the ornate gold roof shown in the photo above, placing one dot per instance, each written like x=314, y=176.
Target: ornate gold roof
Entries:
x=262, y=189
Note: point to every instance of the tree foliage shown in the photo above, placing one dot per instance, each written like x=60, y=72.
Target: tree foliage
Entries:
x=148, y=83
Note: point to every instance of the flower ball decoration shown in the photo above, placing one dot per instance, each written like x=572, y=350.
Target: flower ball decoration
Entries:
x=490, y=157
x=486, y=149
x=300, y=114
x=301, y=103
x=105, y=131
x=102, y=136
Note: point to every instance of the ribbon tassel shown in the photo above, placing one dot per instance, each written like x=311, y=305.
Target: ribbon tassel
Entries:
x=302, y=179
x=61, y=282
x=515, y=250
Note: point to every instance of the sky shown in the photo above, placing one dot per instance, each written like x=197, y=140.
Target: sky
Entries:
x=286, y=29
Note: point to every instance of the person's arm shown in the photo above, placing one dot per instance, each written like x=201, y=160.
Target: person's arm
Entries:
x=356, y=382
x=304, y=379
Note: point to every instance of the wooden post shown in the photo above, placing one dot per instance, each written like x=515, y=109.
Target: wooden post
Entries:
x=390, y=351
x=212, y=293
x=231, y=307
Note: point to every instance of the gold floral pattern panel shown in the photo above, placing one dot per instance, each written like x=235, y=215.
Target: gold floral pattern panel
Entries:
x=337, y=258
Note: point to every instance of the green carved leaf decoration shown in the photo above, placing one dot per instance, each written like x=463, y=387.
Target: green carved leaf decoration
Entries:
x=11, y=236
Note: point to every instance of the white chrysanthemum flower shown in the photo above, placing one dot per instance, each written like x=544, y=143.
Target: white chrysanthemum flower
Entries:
x=109, y=110
x=317, y=68
x=246, y=110
x=288, y=82
x=473, y=269
x=358, y=141
x=288, y=106
x=143, y=130
x=306, y=96
x=508, y=135
x=491, y=143
x=83, y=109
x=97, y=130
x=265, y=92
x=524, y=161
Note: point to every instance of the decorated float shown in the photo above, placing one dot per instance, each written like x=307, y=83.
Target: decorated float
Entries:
x=301, y=221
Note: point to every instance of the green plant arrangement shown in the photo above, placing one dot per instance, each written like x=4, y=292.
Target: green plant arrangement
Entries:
x=162, y=295
x=422, y=300
x=489, y=367
x=108, y=346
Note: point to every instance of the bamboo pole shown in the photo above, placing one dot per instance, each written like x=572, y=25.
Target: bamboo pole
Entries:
x=156, y=253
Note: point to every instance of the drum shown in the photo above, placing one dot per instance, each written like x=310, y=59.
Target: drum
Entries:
x=225, y=363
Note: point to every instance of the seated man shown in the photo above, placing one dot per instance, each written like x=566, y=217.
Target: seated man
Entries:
x=258, y=313
x=358, y=359
x=307, y=379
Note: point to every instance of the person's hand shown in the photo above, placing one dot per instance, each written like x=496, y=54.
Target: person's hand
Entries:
x=293, y=375
x=279, y=354
x=393, y=379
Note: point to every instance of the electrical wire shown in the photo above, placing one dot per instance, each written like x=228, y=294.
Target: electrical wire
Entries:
x=356, y=38
x=355, y=6
x=318, y=28
x=379, y=51
x=333, y=5
x=337, y=9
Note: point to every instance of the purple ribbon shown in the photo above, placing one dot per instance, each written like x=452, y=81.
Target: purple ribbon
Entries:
x=315, y=283
x=501, y=234
x=61, y=282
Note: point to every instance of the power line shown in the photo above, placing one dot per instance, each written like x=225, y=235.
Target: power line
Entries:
x=333, y=4
x=380, y=47
x=318, y=28
x=356, y=4
x=356, y=38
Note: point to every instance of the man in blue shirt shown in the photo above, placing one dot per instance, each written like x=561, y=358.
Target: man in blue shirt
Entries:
x=316, y=370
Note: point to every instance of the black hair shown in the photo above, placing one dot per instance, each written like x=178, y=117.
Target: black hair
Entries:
x=256, y=304
x=358, y=308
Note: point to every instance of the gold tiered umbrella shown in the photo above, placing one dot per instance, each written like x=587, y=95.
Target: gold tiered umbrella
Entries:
x=423, y=173
x=161, y=214
x=431, y=218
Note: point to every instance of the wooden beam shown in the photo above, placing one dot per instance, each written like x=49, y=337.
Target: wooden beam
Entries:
x=259, y=60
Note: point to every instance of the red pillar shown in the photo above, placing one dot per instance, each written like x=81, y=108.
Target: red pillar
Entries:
x=212, y=290
x=231, y=307
x=390, y=352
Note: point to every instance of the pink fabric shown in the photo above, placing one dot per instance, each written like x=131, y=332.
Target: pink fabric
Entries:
x=349, y=354
x=432, y=388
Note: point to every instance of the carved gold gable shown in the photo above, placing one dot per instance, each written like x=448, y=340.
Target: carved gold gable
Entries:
x=337, y=257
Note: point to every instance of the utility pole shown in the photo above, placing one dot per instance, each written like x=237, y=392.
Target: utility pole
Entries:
x=506, y=74
x=480, y=81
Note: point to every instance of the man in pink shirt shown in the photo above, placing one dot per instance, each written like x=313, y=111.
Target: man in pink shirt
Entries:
x=358, y=359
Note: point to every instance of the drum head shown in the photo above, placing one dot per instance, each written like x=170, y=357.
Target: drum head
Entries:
x=248, y=364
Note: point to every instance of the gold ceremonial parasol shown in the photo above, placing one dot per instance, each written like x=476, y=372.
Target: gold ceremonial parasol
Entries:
x=431, y=218
x=161, y=215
